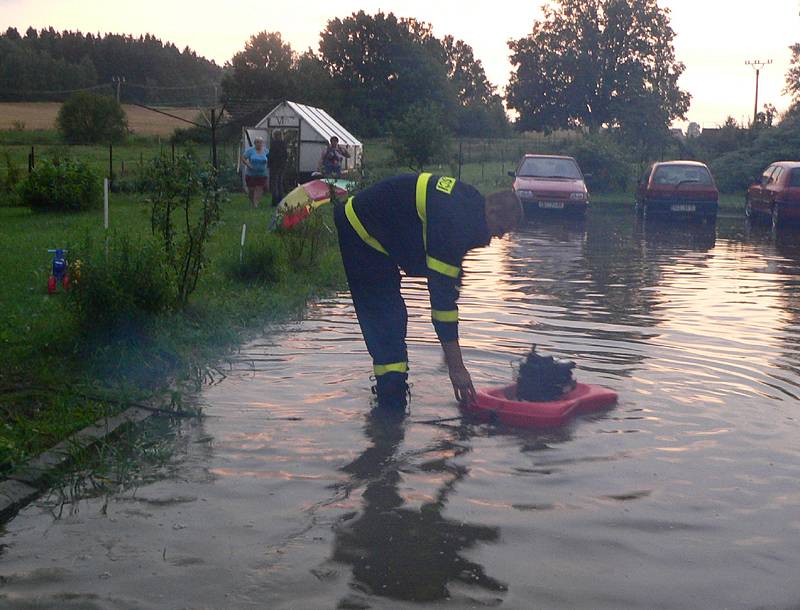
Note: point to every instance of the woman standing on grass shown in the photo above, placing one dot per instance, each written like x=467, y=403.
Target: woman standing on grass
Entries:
x=255, y=176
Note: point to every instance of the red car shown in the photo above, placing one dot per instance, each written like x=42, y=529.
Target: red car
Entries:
x=777, y=194
x=550, y=183
x=679, y=189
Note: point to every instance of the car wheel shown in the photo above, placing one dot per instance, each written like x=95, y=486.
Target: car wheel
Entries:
x=775, y=216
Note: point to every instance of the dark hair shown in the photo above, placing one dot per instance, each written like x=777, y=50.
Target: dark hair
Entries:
x=334, y=138
x=507, y=206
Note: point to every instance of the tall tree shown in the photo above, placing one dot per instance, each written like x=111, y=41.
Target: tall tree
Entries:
x=586, y=61
x=384, y=65
x=793, y=75
x=262, y=70
x=481, y=111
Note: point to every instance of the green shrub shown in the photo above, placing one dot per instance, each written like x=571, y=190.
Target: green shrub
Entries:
x=9, y=179
x=306, y=241
x=185, y=203
x=119, y=294
x=264, y=260
x=420, y=137
x=604, y=160
x=88, y=118
x=67, y=186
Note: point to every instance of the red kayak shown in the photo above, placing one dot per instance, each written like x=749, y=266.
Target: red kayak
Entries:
x=500, y=405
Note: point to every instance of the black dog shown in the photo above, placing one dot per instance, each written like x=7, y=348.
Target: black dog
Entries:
x=543, y=378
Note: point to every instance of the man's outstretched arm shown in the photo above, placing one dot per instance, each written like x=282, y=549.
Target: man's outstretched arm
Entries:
x=459, y=375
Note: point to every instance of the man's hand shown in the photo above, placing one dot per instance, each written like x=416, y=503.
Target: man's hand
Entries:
x=459, y=376
x=462, y=384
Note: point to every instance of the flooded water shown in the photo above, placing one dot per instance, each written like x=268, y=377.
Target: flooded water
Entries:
x=289, y=496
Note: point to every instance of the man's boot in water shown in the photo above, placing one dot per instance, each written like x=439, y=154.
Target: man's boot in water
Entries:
x=392, y=392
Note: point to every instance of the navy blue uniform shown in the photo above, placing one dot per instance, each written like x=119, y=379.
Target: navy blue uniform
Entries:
x=423, y=225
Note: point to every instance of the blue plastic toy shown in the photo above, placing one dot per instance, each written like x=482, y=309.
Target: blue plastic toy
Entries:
x=60, y=271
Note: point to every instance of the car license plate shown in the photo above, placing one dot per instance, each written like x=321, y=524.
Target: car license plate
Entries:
x=683, y=207
x=552, y=205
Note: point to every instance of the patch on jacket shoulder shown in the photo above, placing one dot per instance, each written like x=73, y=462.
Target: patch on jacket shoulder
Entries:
x=446, y=184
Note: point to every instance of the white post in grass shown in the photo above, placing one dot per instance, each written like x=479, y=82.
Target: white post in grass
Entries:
x=105, y=213
x=105, y=203
x=241, y=248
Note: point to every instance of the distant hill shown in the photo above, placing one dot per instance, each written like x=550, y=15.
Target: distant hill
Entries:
x=48, y=65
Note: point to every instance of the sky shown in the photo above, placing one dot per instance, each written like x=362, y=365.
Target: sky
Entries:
x=714, y=37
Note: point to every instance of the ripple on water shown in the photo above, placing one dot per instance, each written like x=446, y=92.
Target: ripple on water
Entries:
x=291, y=497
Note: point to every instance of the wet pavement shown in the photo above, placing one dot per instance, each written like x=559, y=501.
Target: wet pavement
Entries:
x=287, y=495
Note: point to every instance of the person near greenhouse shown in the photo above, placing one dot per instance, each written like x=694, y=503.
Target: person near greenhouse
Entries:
x=330, y=163
x=423, y=225
x=256, y=175
x=278, y=156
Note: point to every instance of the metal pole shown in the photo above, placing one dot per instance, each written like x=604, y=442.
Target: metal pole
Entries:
x=110, y=163
x=105, y=204
x=757, y=64
x=755, y=106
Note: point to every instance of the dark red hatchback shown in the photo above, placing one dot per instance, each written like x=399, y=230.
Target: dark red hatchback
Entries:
x=776, y=196
x=679, y=189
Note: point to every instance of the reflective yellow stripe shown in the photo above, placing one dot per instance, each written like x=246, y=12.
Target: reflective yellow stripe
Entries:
x=443, y=268
x=392, y=367
x=444, y=316
x=422, y=205
x=359, y=228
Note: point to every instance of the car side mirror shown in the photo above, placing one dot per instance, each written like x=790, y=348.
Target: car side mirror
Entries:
x=512, y=174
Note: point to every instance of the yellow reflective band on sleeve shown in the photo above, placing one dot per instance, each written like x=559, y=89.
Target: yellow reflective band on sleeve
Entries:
x=422, y=205
x=445, y=184
x=443, y=268
x=422, y=196
x=444, y=316
x=359, y=228
x=392, y=367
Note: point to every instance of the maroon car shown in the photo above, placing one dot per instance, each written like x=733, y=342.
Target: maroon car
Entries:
x=678, y=189
x=550, y=183
x=776, y=196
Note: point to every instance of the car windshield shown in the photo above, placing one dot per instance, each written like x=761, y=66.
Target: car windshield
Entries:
x=794, y=177
x=677, y=174
x=548, y=167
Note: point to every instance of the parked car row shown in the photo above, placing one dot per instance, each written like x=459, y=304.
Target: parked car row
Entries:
x=671, y=189
x=776, y=195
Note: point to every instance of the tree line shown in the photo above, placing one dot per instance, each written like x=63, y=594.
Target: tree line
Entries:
x=586, y=64
x=369, y=70
x=46, y=65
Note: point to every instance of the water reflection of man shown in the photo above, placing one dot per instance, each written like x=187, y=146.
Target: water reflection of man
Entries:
x=403, y=553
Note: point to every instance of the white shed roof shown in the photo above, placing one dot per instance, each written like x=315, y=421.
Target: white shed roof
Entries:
x=319, y=120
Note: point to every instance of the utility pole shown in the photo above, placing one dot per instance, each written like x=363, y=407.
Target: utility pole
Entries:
x=757, y=65
x=118, y=80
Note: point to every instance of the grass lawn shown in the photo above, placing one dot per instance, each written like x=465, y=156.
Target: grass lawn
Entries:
x=728, y=202
x=46, y=365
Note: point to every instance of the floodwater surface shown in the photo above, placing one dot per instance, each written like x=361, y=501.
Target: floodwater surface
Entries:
x=288, y=495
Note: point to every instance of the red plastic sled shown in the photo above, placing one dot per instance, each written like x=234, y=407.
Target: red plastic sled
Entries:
x=500, y=405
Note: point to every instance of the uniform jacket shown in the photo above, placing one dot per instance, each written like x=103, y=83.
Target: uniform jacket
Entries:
x=426, y=224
